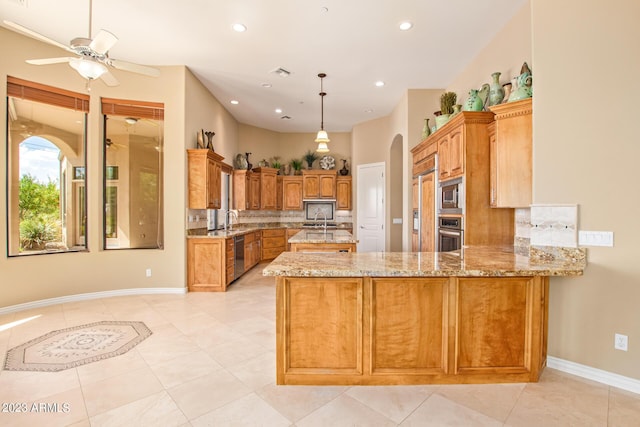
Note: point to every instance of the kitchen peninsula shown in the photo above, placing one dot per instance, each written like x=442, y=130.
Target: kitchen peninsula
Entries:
x=478, y=315
x=322, y=240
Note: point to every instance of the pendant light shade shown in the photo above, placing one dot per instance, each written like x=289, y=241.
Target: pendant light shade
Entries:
x=322, y=138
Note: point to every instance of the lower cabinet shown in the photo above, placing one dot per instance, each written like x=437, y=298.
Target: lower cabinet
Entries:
x=405, y=330
x=207, y=265
x=252, y=249
x=273, y=243
x=290, y=232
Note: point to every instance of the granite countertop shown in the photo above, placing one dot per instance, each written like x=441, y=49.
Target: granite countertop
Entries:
x=240, y=229
x=471, y=261
x=320, y=235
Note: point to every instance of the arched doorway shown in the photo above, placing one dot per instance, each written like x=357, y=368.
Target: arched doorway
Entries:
x=396, y=171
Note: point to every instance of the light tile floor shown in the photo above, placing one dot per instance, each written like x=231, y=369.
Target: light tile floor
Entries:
x=211, y=362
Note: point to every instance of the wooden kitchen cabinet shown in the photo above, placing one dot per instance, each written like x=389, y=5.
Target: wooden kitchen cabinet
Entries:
x=205, y=177
x=274, y=242
x=451, y=154
x=206, y=265
x=319, y=184
x=244, y=194
x=343, y=192
x=268, y=187
x=292, y=193
x=464, y=152
x=230, y=260
x=511, y=155
x=252, y=249
x=279, y=194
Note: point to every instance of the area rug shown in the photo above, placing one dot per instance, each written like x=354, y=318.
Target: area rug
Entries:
x=79, y=345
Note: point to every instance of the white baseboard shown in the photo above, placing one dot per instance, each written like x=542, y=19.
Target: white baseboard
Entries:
x=91, y=295
x=594, y=374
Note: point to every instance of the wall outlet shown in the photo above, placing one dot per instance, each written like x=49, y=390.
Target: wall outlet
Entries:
x=621, y=342
x=595, y=238
x=148, y=272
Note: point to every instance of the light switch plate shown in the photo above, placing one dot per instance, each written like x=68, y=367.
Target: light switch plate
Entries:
x=595, y=238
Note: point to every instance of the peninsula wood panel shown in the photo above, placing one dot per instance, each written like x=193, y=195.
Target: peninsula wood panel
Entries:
x=206, y=266
x=322, y=247
x=409, y=325
x=323, y=324
x=430, y=330
x=494, y=324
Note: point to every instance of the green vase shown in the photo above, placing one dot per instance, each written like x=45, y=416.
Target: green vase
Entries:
x=426, y=130
x=441, y=120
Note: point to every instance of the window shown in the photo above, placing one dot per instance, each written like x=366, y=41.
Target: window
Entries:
x=46, y=160
x=133, y=174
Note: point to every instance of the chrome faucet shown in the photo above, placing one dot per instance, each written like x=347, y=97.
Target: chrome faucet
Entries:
x=227, y=219
x=325, y=219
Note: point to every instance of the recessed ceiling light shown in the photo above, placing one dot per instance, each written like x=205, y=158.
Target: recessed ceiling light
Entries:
x=239, y=28
x=379, y=83
x=406, y=25
x=324, y=9
x=278, y=110
x=235, y=102
x=368, y=110
x=266, y=85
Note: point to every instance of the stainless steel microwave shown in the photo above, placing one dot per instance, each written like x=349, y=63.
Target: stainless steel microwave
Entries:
x=451, y=196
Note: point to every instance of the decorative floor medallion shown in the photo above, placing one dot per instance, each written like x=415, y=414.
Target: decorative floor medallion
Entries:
x=79, y=345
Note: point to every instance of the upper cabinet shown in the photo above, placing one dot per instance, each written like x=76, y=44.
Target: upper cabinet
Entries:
x=319, y=184
x=205, y=175
x=343, y=192
x=292, y=193
x=511, y=154
x=246, y=190
x=451, y=153
x=268, y=187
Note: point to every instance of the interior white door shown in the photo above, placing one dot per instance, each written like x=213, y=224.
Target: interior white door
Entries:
x=370, y=194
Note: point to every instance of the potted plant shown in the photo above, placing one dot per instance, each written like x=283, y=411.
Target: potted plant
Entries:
x=296, y=165
x=310, y=157
x=447, y=101
x=275, y=163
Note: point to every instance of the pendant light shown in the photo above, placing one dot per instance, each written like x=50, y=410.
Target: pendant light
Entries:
x=322, y=138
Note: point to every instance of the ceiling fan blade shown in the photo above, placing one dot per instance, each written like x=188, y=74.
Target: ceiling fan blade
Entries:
x=47, y=61
x=37, y=36
x=109, y=79
x=103, y=41
x=135, y=68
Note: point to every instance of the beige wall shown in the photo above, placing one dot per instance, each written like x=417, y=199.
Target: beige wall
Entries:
x=585, y=79
x=265, y=144
x=33, y=278
x=203, y=111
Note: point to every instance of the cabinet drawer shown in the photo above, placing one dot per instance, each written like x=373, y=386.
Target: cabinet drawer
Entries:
x=273, y=242
x=273, y=233
x=271, y=253
x=248, y=238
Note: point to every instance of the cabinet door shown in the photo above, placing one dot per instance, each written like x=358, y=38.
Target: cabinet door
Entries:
x=279, y=194
x=311, y=189
x=343, y=193
x=327, y=186
x=254, y=191
x=290, y=233
x=205, y=266
x=456, y=153
x=213, y=184
x=427, y=212
x=444, y=157
x=491, y=130
x=268, y=193
x=292, y=193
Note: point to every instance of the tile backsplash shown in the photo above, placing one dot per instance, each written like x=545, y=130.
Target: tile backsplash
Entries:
x=554, y=225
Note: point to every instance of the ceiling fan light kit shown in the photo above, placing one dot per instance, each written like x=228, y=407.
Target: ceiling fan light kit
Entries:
x=322, y=138
x=93, y=60
x=88, y=68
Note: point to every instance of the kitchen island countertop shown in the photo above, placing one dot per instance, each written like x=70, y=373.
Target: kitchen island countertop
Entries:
x=319, y=235
x=472, y=261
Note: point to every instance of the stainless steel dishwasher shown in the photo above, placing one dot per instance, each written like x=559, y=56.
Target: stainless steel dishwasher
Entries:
x=238, y=256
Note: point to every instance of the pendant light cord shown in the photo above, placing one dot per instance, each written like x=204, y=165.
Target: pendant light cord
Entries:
x=322, y=94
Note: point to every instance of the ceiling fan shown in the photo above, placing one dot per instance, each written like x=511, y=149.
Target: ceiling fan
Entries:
x=92, y=60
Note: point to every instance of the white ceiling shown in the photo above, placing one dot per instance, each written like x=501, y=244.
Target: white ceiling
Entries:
x=355, y=42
